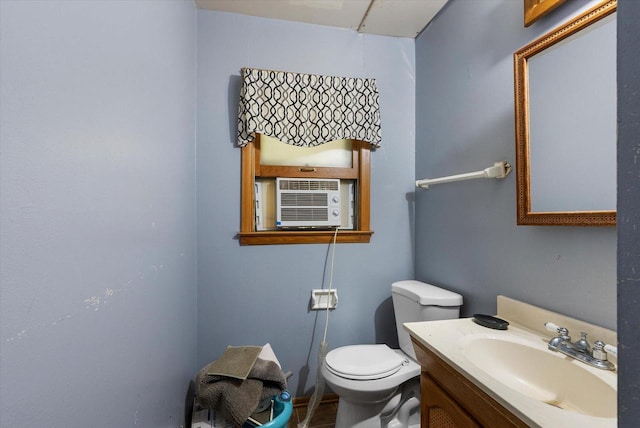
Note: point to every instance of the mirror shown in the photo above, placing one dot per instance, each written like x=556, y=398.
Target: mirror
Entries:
x=565, y=105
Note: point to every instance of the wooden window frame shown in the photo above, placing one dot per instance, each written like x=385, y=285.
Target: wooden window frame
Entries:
x=360, y=171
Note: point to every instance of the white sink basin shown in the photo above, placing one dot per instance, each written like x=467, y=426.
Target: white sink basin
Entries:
x=530, y=369
x=514, y=367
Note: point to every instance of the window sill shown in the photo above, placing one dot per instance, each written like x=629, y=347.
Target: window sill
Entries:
x=304, y=237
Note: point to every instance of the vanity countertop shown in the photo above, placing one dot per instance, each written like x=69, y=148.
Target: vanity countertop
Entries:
x=450, y=340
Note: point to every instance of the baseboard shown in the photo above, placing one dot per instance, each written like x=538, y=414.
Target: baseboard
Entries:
x=304, y=401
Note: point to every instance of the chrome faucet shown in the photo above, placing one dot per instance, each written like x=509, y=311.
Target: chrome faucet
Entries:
x=580, y=349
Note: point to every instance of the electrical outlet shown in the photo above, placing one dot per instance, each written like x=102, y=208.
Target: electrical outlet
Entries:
x=323, y=299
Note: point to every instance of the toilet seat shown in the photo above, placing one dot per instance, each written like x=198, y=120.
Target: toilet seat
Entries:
x=364, y=362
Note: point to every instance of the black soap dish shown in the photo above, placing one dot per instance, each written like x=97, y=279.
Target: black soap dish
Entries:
x=490, y=322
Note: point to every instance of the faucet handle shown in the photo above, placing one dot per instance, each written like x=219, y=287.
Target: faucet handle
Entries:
x=611, y=349
x=551, y=326
x=600, y=350
x=563, y=332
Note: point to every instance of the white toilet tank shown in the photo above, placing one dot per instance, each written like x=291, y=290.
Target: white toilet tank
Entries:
x=418, y=301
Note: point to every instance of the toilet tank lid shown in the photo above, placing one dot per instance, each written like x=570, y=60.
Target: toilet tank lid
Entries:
x=426, y=294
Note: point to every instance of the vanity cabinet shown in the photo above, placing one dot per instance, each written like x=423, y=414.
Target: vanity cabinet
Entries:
x=450, y=400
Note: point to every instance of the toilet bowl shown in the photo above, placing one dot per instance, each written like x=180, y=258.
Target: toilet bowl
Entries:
x=378, y=386
x=367, y=373
x=374, y=390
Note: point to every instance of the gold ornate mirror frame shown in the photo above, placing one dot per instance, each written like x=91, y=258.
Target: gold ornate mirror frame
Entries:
x=523, y=167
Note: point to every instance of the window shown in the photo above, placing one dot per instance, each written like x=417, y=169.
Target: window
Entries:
x=305, y=111
x=265, y=158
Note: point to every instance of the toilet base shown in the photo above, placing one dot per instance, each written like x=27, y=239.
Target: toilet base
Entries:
x=401, y=410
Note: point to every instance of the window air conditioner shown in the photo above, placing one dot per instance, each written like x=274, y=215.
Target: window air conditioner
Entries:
x=308, y=202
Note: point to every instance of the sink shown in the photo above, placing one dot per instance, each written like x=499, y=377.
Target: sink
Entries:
x=515, y=368
x=529, y=368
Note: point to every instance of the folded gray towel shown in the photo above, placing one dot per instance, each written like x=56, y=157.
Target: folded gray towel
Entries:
x=237, y=398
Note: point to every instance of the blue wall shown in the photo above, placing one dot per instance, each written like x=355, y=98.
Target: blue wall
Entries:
x=249, y=295
x=466, y=233
x=98, y=209
x=97, y=231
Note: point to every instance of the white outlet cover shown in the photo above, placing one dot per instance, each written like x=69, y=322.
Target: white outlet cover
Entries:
x=321, y=299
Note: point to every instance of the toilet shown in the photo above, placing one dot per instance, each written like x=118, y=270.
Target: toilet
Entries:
x=378, y=386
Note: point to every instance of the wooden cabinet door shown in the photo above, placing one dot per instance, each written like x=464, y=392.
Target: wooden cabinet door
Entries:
x=439, y=410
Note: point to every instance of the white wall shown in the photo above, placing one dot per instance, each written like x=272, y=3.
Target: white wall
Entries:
x=97, y=228
x=257, y=294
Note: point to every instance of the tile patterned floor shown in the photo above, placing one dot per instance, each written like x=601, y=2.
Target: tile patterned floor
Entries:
x=324, y=417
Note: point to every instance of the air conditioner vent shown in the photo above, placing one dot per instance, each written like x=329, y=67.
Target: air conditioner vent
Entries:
x=305, y=214
x=308, y=202
x=304, y=199
x=296, y=184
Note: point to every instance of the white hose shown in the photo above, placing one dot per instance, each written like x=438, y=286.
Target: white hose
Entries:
x=316, y=397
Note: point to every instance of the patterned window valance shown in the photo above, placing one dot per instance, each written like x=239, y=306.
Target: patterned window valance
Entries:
x=306, y=109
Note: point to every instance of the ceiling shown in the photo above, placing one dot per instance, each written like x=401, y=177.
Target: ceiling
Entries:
x=399, y=18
